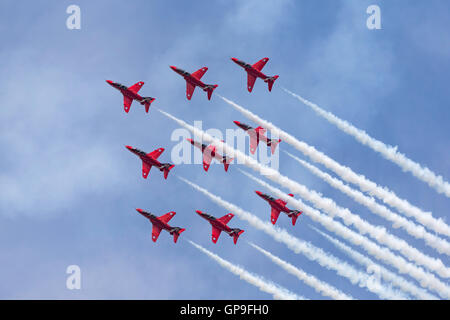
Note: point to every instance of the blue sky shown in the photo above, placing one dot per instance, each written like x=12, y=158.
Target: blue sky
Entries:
x=69, y=187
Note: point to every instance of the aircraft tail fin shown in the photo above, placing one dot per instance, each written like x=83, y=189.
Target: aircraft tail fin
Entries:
x=210, y=90
x=294, y=215
x=226, y=162
x=176, y=234
x=236, y=234
x=147, y=101
x=273, y=144
x=270, y=81
x=166, y=167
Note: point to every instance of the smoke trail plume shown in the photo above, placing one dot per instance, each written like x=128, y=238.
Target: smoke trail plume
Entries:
x=387, y=275
x=425, y=278
x=321, y=287
x=441, y=245
x=383, y=193
x=389, y=152
x=298, y=246
x=378, y=233
x=264, y=285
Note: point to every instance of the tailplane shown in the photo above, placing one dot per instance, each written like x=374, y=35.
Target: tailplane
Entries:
x=273, y=144
x=236, y=234
x=147, y=101
x=226, y=162
x=270, y=81
x=176, y=233
x=210, y=89
x=166, y=167
x=294, y=215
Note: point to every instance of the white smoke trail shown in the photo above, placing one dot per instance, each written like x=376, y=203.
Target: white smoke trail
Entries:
x=425, y=278
x=347, y=174
x=298, y=246
x=413, y=229
x=378, y=233
x=389, y=152
x=387, y=275
x=321, y=287
x=264, y=285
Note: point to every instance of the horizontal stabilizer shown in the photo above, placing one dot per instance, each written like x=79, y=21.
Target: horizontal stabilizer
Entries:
x=177, y=233
x=236, y=235
x=270, y=81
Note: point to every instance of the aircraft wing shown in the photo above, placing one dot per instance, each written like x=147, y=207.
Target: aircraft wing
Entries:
x=166, y=217
x=226, y=218
x=254, y=141
x=155, y=232
x=199, y=73
x=260, y=64
x=261, y=130
x=250, y=82
x=136, y=87
x=156, y=153
x=281, y=201
x=207, y=157
x=127, y=103
x=189, y=90
x=215, y=234
x=274, y=213
x=145, y=169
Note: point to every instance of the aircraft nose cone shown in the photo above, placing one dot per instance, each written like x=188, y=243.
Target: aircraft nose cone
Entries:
x=129, y=147
x=234, y=59
x=259, y=193
x=199, y=212
x=237, y=123
x=190, y=140
x=109, y=81
x=173, y=68
x=139, y=210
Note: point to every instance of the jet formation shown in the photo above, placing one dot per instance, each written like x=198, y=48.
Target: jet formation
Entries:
x=209, y=152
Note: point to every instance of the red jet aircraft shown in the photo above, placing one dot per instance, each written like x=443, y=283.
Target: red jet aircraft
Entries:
x=279, y=205
x=193, y=80
x=162, y=223
x=210, y=152
x=219, y=225
x=131, y=93
x=256, y=135
x=151, y=159
x=254, y=71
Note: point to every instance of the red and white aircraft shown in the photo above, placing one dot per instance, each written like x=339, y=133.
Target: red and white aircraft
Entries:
x=254, y=71
x=162, y=223
x=193, y=80
x=219, y=225
x=151, y=159
x=131, y=93
x=257, y=134
x=279, y=205
x=210, y=153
